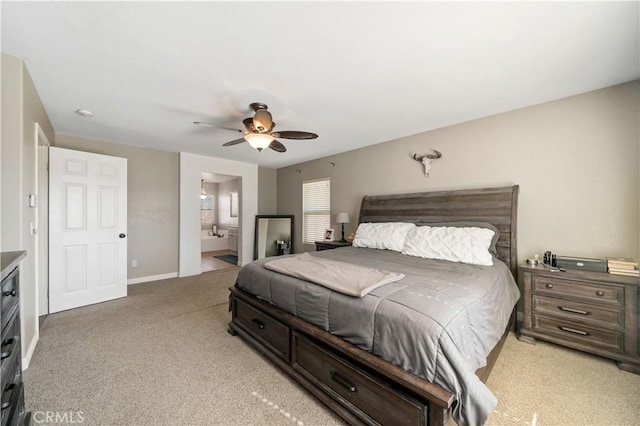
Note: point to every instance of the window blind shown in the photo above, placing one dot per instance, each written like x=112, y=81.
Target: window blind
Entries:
x=316, y=209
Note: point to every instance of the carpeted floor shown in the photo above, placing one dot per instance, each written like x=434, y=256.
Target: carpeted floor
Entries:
x=231, y=258
x=162, y=356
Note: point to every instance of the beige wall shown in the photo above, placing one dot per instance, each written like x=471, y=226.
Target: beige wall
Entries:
x=267, y=190
x=11, y=152
x=21, y=110
x=153, y=203
x=575, y=159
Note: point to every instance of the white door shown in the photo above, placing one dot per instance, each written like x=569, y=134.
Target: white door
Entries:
x=87, y=228
x=42, y=211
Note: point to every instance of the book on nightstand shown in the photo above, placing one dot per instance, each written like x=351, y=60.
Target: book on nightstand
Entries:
x=623, y=266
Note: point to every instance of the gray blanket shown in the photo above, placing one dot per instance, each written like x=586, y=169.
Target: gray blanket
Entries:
x=439, y=322
x=343, y=277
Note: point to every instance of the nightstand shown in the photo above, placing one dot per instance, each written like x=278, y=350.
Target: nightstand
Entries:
x=590, y=311
x=328, y=245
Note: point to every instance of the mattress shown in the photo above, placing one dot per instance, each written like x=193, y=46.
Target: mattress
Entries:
x=439, y=322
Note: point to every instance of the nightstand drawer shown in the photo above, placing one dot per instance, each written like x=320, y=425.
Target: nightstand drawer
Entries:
x=579, y=333
x=578, y=311
x=601, y=294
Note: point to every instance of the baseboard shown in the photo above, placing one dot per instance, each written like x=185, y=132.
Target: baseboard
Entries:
x=152, y=278
x=26, y=359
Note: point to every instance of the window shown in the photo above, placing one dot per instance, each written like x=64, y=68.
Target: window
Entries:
x=233, y=208
x=206, y=210
x=316, y=209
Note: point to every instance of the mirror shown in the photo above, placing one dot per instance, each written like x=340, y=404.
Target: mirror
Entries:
x=274, y=236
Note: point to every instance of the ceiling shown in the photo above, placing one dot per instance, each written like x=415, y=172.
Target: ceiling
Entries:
x=355, y=73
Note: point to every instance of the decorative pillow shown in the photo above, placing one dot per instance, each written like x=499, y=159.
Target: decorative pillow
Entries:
x=383, y=235
x=493, y=247
x=466, y=245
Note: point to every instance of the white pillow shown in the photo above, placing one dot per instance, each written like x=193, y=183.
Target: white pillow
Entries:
x=383, y=235
x=466, y=245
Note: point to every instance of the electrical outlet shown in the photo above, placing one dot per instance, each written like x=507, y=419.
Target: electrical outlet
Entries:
x=134, y=263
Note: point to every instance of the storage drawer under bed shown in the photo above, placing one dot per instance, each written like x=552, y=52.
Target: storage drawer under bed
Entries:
x=354, y=387
x=267, y=330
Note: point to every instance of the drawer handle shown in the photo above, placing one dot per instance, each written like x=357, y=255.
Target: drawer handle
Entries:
x=7, y=348
x=343, y=381
x=600, y=293
x=573, y=311
x=549, y=286
x=259, y=323
x=10, y=293
x=7, y=396
x=573, y=330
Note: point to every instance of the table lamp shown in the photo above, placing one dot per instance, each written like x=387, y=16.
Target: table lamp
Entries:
x=343, y=217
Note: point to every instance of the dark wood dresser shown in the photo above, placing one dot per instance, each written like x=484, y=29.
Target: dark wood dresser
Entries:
x=590, y=311
x=13, y=411
x=328, y=245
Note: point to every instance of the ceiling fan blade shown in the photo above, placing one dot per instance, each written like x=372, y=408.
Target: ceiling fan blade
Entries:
x=277, y=146
x=203, y=123
x=234, y=142
x=294, y=134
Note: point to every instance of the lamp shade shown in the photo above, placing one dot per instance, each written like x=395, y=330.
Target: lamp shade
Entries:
x=343, y=217
x=259, y=140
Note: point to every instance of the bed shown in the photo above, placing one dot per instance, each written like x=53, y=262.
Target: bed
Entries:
x=343, y=353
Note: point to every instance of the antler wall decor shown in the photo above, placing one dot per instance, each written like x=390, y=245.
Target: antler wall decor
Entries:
x=426, y=160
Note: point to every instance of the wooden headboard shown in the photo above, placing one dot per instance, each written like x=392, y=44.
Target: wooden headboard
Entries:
x=498, y=206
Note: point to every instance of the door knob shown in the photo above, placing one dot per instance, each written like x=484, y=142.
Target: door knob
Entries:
x=122, y=235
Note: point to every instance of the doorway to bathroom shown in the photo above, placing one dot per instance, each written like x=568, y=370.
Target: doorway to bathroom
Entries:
x=219, y=211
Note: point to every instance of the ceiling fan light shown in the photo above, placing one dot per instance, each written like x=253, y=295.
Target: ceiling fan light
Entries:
x=259, y=141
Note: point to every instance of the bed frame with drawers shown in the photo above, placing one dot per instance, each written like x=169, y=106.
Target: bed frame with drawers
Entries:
x=357, y=385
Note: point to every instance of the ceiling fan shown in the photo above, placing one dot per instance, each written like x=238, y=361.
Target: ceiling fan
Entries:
x=259, y=130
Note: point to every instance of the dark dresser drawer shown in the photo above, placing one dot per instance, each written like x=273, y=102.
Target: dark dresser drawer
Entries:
x=600, y=294
x=264, y=328
x=354, y=387
x=612, y=341
x=579, y=311
x=10, y=296
x=13, y=412
x=10, y=359
x=19, y=414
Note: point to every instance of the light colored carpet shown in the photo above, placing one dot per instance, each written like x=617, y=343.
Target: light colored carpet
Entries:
x=551, y=385
x=162, y=356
